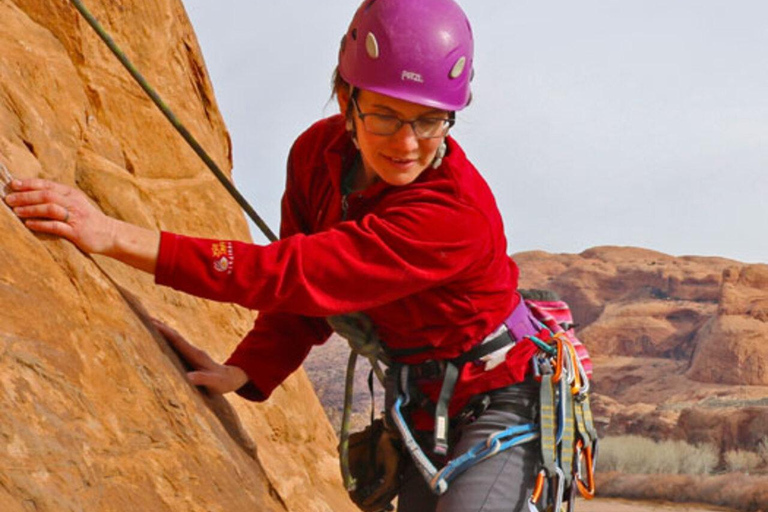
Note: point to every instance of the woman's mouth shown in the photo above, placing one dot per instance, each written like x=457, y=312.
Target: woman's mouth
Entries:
x=401, y=163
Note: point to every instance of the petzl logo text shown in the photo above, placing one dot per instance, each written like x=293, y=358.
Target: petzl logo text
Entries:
x=412, y=76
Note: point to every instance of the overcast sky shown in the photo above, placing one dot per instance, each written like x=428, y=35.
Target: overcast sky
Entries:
x=613, y=122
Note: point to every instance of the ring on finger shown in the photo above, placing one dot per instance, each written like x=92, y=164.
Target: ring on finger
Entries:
x=66, y=216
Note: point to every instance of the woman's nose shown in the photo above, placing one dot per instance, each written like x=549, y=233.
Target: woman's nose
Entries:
x=406, y=138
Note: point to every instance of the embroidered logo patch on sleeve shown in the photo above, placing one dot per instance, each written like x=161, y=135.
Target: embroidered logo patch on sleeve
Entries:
x=223, y=256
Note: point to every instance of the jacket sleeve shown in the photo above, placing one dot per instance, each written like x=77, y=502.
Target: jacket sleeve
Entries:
x=406, y=248
x=278, y=342
x=275, y=348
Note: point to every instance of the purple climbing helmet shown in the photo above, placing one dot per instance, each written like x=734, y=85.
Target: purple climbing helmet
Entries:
x=415, y=50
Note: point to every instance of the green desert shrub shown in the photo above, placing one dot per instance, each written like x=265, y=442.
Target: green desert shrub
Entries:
x=742, y=461
x=640, y=455
x=762, y=450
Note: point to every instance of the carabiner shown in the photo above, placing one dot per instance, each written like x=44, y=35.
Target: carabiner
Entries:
x=574, y=377
x=543, y=346
x=538, y=490
x=584, y=380
x=558, y=360
x=542, y=366
x=560, y=489
x=586, y=489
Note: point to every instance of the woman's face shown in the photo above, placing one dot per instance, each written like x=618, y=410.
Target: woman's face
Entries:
x=399, y=158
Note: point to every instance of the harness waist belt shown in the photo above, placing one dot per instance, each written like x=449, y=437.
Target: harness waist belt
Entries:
x=519, y=324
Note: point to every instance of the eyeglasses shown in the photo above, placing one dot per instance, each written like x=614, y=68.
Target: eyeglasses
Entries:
x=423, y=127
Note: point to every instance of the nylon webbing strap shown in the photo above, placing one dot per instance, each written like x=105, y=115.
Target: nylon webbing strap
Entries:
x=547, y=424
x=584, y=422
x=566, y=445
x=421, y=461
x=441, y=409
x=349, y=483
x=502, y=340
x=452, y=370
x=588, y=419
x=581, y=425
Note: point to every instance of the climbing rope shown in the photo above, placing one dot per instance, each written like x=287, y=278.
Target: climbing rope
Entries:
x=158, y=101
x=357, y=329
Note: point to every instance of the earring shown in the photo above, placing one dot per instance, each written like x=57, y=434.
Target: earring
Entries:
x=439, y=155
x=351, y=129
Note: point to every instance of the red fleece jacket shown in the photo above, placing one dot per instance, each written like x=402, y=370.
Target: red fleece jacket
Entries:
x=427, y=262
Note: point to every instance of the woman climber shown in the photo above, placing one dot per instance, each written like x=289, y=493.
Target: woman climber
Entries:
x=383, y=214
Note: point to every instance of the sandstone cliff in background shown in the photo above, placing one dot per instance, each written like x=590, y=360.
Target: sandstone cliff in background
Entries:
x=96, y=413
x=680, y=343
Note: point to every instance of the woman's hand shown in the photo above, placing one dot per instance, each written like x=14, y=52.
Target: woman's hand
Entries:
x=56, y=209
x=48, y=207
x=218, y=378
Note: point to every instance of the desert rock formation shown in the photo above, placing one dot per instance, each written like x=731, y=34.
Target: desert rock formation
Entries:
x=679, y=342
x=96, y=412
x=733, y=349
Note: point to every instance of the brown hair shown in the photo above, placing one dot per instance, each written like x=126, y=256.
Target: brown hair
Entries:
x=339, y=84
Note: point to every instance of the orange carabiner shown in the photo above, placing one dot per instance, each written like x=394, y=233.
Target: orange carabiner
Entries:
x=538, y=488
x=558, y=361
x=586, y=489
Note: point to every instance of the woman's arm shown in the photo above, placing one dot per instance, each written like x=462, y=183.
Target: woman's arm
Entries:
x=52, y=208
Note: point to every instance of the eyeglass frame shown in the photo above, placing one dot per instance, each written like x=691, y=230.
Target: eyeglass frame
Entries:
x=448, y=123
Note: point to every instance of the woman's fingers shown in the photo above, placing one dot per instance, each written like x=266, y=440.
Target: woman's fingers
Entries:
x=44, y=204
x=34, y=197
x=49, y=227
x=40, y=184
x=55, y=200
x=57, y=209
x=194, y=356
x=218, y=378
x=48, y=211
x=221, y=379
x=210, y=380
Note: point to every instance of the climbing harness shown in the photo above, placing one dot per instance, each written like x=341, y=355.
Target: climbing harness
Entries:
x=565, y=429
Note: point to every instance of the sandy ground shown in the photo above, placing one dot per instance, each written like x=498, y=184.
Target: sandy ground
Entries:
x=609, y=505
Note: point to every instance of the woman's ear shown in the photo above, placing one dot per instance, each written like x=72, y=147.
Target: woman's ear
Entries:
x=342, y=96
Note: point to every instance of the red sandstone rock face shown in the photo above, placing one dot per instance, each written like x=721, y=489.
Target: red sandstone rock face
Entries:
x=96, y=412
x=733, y=348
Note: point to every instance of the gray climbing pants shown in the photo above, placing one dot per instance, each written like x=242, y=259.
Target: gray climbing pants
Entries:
x=502, y=483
